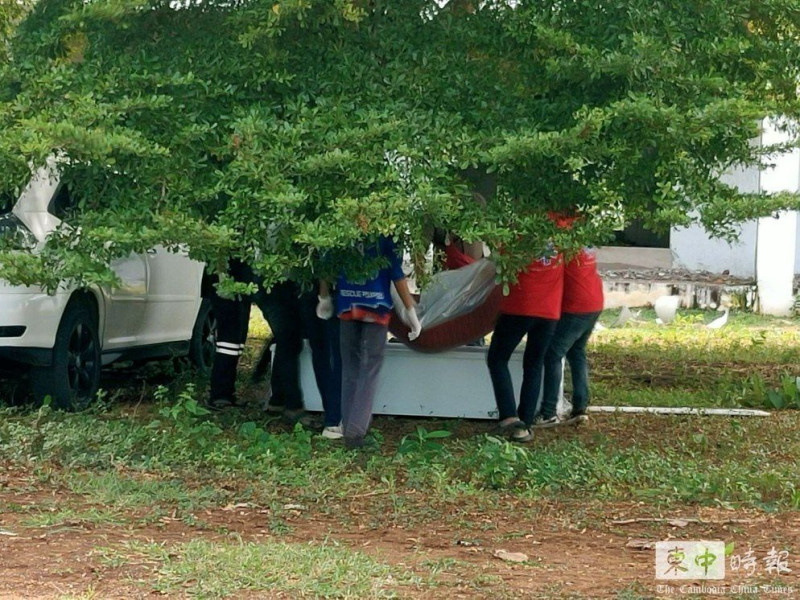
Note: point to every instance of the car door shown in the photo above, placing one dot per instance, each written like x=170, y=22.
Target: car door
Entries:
x=126, y=304
x=173, y=295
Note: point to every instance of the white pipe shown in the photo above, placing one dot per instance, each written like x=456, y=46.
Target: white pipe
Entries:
x=682, y=410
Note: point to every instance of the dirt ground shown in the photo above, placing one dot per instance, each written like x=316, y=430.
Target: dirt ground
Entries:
x=594, y=556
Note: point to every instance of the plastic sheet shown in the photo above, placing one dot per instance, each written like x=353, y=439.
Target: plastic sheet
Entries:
x=454, y=293
x=457, y=307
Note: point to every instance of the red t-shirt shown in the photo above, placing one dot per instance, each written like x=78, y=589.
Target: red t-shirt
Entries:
x=455, y=258
x=538, y=291
x=583, y=287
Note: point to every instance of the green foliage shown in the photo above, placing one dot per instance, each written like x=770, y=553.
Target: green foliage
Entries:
x=787, y=396
x=498, y=463
x=281, y=131
x=423, y=441
x=187, y=419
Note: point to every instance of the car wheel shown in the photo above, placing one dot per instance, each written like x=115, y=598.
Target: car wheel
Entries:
x=204, y=337
x=73, y=378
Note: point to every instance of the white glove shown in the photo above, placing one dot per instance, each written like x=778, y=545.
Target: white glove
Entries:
x=410, y=318
x=397, y=301
x=324, y=307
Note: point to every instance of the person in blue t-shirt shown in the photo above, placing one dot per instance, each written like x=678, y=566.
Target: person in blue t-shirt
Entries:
x=364, y=309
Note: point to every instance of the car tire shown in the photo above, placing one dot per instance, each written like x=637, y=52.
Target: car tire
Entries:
x=204, y=336
x=73, y=378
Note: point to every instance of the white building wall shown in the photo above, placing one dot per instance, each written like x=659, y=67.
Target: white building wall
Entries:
x=797, y=248
x=777, y=235
x=692, y=248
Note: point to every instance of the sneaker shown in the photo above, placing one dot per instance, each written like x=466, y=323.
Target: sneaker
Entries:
x=577, y=418
x=546, y=422
x=333, y=432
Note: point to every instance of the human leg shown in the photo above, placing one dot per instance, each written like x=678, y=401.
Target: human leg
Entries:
x=323, y=340
x=540, y=332
x=372, y=345
x=232, y=316
x=350, y=348
x=570, y=327
x=579, y=365
x=506, y=337
x=280, y=307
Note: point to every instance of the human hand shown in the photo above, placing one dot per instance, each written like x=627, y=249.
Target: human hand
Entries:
x=324, y=307
x=413, y=323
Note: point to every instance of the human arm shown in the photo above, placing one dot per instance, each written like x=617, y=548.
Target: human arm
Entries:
x=408, y=312
x=324, y=302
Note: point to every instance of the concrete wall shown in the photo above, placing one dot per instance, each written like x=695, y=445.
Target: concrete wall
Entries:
x=692, y=247
x=797, y=247
x=777, y=235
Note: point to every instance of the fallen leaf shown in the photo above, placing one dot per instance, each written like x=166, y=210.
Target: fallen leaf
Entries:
x=238, y=505
x=640, y=544
x=517, y=557
x=678, y=523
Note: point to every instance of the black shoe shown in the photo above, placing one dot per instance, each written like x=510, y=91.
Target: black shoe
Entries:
x=354, y=443
x=360, y=443
x=577, y=417
x=223, y=403
x=293, y=417
x=276, y=407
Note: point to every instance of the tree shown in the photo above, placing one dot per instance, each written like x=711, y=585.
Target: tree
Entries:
x=282, y=131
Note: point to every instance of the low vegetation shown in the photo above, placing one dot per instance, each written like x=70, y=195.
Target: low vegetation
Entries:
x=143, y=460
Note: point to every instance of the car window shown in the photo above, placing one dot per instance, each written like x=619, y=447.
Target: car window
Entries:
x=7, y=200
x=62, y=203
x=14, y=232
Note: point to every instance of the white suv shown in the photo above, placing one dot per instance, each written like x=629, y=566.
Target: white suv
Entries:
x=158, y=310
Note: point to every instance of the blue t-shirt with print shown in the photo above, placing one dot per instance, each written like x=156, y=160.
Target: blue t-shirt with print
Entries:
x=373, y=294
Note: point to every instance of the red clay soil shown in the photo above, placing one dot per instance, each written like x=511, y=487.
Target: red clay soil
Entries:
x=578, y=552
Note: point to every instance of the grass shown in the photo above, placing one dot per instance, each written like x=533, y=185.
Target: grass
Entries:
x=206, y=569
x=127, y=462
x=686, y=364
x=74, y=518
x=708, y=461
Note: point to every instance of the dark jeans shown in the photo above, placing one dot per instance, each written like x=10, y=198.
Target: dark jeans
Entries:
x=326, y=358
x=291, y=317
x=572, y=334
x=363, y=346
x=508, y=333
x=281, y=308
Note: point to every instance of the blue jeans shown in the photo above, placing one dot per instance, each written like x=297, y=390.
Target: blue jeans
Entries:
x=508, y=333
x=572, y=334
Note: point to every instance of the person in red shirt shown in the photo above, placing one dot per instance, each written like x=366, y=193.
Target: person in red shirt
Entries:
x=532, y=308
x=581, y=306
